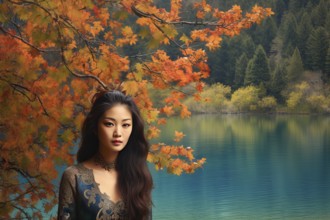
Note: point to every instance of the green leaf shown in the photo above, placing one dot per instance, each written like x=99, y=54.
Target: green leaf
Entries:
x=60, y=75
x=139, y=72
x=170, y=31
x=121, y=15
x=144, y=32
x=153, y=44
x=67, y=136
x=184, y=38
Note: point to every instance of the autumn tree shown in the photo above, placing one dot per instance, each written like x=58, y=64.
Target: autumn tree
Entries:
x=245, y=99
x=54, y=54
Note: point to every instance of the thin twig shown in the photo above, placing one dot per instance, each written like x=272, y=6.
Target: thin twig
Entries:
x=158, y=74
x=26, y=42
x=19, y=89
x=22, y=210
x=154, y=17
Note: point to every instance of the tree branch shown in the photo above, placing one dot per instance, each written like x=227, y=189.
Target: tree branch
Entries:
x=173, y=41
x=80, y=75
x=167, y=83
x=19, y=89
x=26, y=42
x=23, y=211
x=154, y=17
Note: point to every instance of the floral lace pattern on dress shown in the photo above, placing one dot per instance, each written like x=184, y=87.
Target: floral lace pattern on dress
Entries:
x=80, y=197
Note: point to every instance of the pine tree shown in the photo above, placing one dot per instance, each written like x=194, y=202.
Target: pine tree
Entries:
x=248, y=46
x=264, y=34
x=303, y=31
x=294, y=5
x=219, y=63
x=288, y=34
x=317, y=47
x=258, y=68
x=326, y=74
x=278, y=83
x=308, y=7
x=319, y=14
x=279, y=8
x=327, y=23
x=240, y=68
x=295, y=68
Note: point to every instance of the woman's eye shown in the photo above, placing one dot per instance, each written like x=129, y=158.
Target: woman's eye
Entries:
x=108, y=124
x=126, y=125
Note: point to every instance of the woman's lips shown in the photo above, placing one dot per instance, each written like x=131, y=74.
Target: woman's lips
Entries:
x=116, y=142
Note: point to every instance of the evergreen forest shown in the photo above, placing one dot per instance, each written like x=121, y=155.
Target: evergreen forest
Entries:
x=281, y=65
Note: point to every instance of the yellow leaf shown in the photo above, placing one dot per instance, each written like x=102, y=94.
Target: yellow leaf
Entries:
x=67, y=136
x=152, y=115
x=131, y=87
x=139, y=72
x=79, y=119
x=185, y=39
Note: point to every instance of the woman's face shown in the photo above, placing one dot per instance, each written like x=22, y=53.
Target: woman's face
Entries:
x=114, y=129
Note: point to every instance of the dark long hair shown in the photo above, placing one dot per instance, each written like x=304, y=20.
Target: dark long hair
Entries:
x=134, y=179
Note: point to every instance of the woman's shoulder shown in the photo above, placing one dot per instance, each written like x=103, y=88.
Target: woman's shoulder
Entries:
x=78, y=173
x=74, y=170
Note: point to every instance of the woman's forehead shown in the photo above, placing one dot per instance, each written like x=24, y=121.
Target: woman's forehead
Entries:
x=118, y=111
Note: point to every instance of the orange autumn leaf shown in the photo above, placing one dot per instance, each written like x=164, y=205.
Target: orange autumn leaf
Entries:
x=178, y=136
x=128, y=37
x=168, y=110
x=185, y=113
x=152, y=132
x=161, y=121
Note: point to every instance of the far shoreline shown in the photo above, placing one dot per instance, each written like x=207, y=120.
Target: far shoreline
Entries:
x=259, y=113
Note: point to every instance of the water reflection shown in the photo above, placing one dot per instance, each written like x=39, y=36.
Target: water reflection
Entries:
x=258, y=167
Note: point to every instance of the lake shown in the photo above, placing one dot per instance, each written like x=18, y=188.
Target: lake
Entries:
x=258, y=167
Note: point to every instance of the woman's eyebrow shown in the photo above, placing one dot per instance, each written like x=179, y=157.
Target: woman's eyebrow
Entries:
x=112, y=119
x=127, y=119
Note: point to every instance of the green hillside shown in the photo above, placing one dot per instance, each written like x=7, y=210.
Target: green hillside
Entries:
x=285, y=59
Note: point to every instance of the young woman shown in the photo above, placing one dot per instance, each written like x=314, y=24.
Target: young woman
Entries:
x=111, y=179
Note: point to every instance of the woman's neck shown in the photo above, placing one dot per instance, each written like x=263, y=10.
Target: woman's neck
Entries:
x=108, y=157
x=108, y=164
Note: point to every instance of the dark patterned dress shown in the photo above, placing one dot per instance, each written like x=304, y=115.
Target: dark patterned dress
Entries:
x=80, y=197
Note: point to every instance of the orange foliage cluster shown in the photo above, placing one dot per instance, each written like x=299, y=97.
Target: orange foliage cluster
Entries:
x=52, y=56
x=172, y=157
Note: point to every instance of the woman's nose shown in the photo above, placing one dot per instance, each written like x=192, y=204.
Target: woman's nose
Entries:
x=117, y=132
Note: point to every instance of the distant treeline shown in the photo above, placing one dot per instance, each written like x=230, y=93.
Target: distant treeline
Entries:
x=280, y=65
x=277, y=52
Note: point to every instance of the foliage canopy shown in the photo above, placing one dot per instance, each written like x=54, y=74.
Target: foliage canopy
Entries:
x=54, y=54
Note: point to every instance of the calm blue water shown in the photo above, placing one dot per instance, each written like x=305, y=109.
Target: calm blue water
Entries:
x=258, y=167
